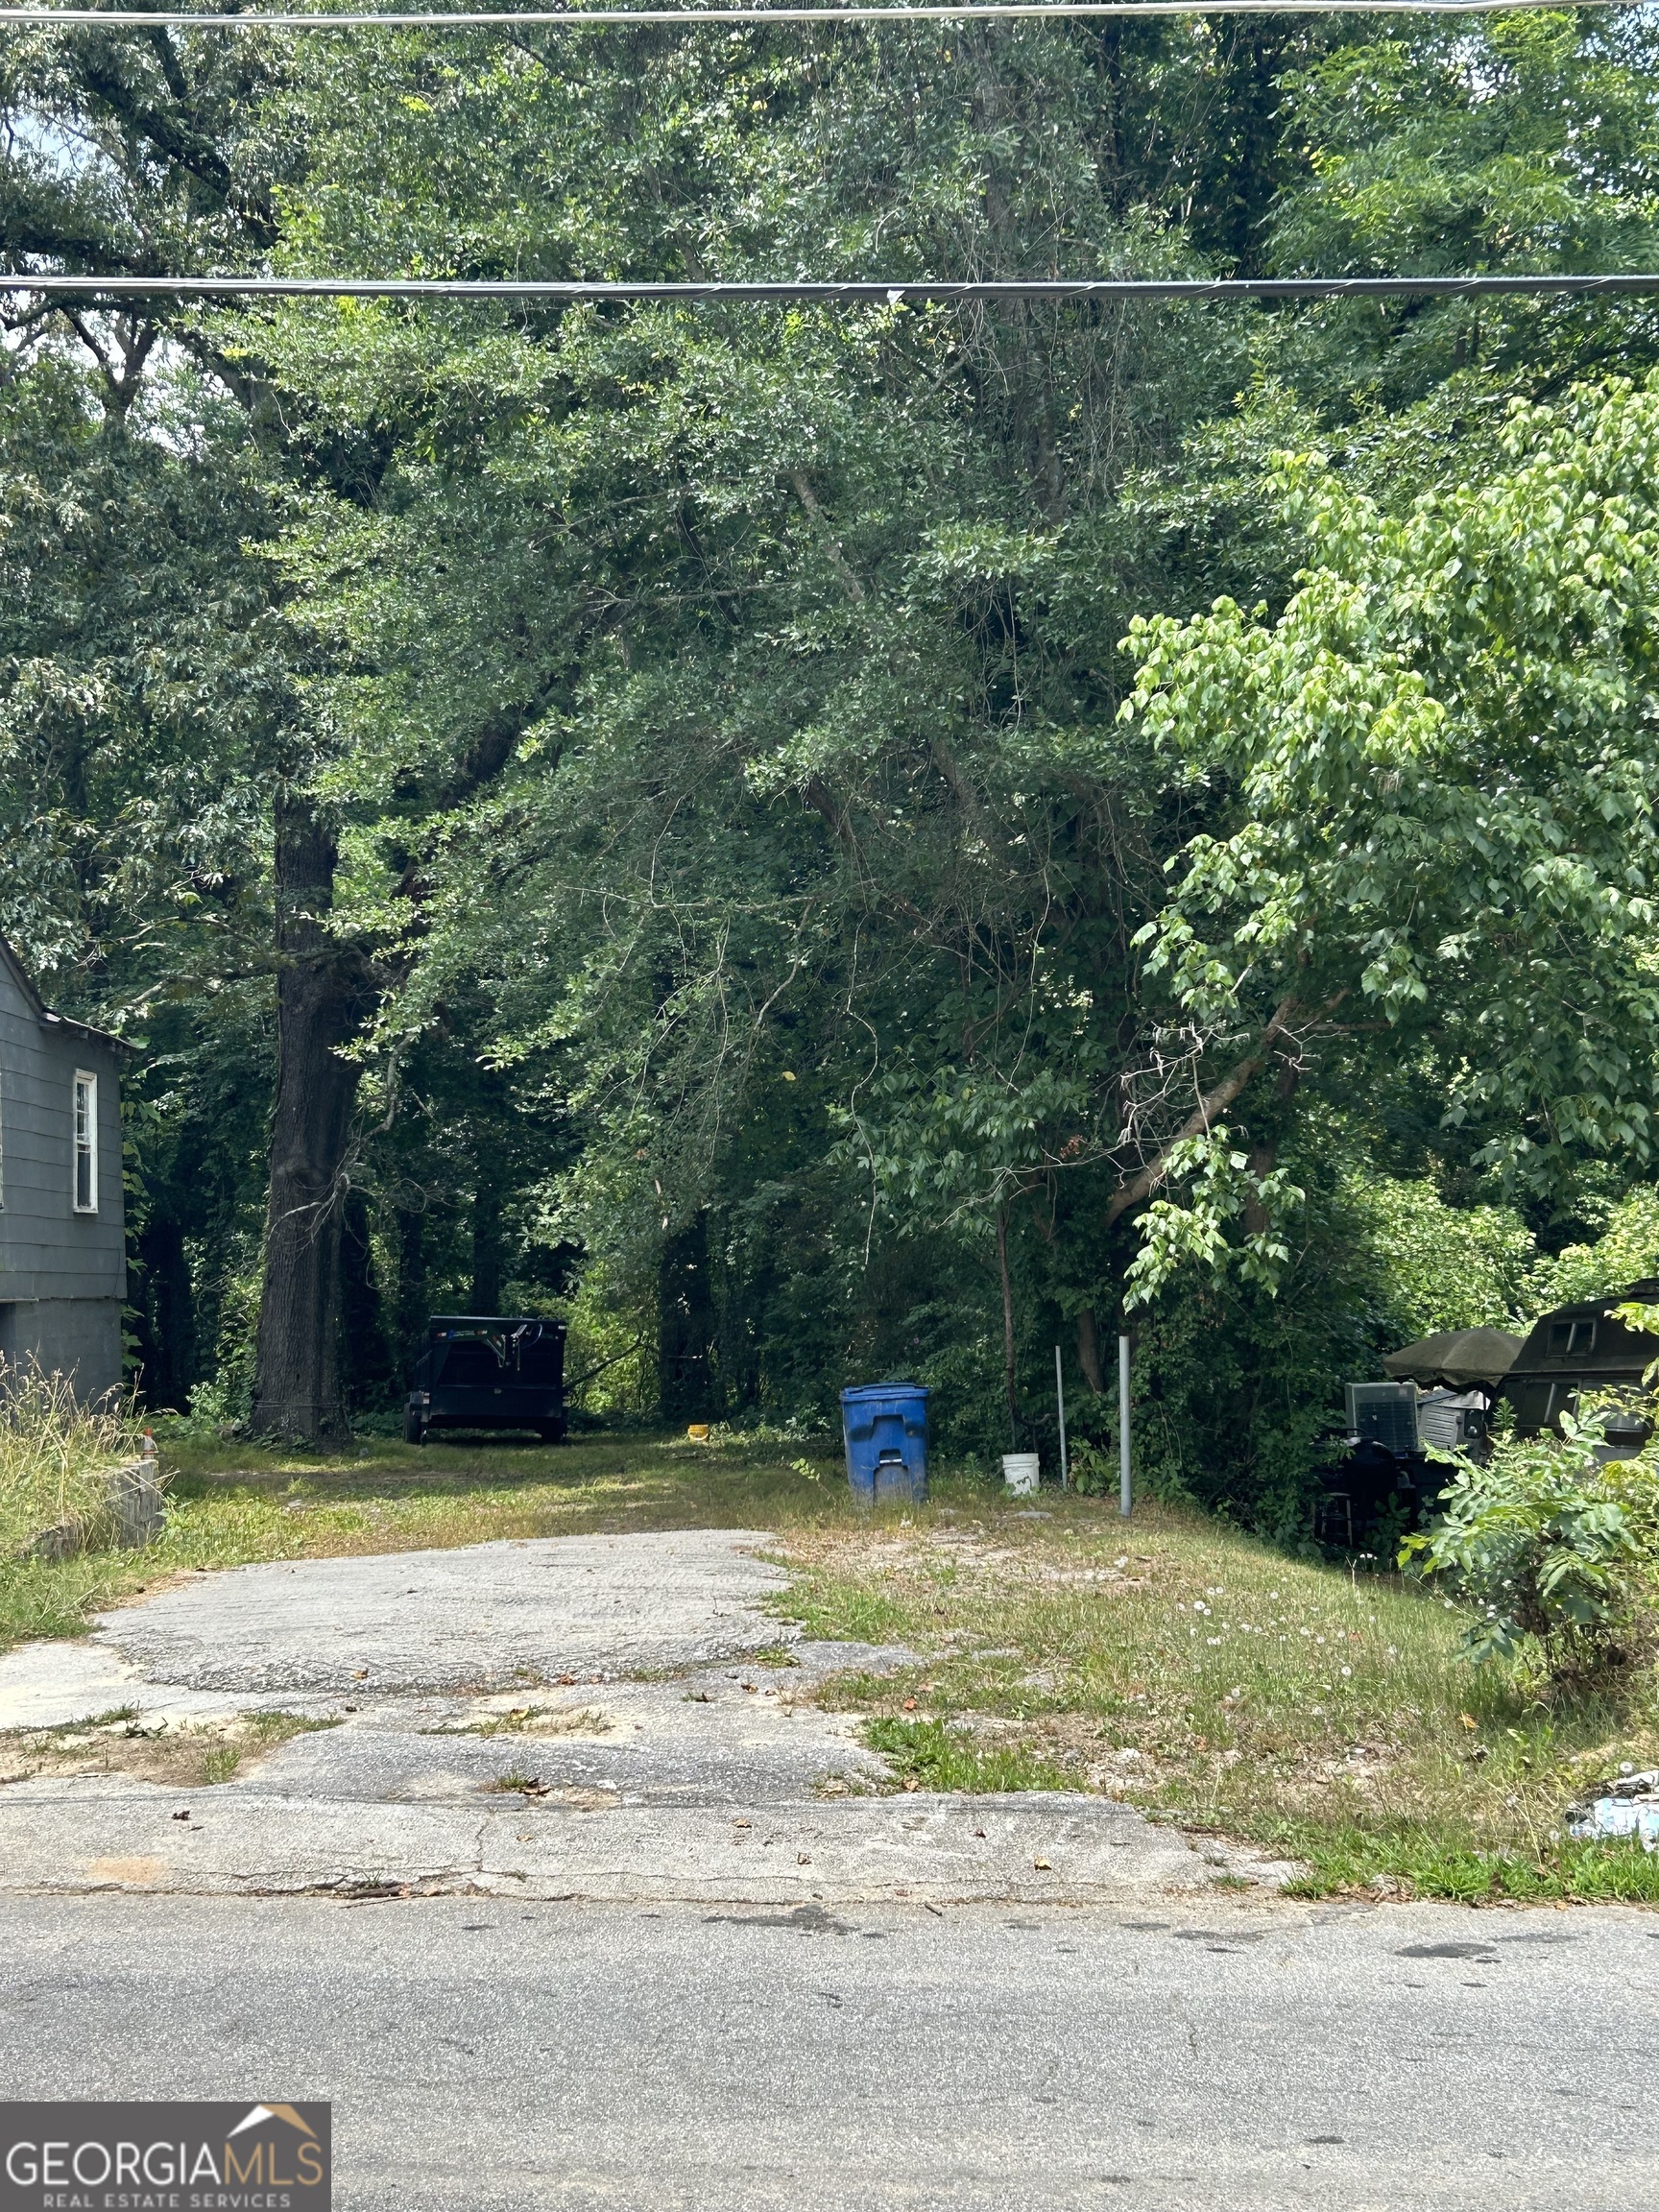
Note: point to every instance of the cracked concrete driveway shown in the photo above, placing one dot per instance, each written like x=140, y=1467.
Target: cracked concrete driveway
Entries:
x=602, y=1716
x=487, y=1618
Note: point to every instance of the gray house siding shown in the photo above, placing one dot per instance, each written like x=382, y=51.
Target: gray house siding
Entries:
x=62, y=1271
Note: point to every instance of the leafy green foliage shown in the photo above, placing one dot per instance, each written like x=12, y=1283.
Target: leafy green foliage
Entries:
x=1220, y=1185
x=1438, y=1266
x=1526, y=143
x=1549, y=1548
x=1418, y=1861
x=1095, y=1472
x=1445, y=791
x=1626, y=1251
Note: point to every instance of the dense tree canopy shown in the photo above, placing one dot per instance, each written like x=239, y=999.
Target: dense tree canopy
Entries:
x=730, y=823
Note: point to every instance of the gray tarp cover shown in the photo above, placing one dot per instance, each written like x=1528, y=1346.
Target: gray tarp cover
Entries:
x=1457, y=1357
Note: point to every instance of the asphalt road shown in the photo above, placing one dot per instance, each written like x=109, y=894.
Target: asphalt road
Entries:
x=485, y=2054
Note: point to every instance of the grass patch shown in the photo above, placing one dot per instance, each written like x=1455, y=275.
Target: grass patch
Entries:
x=232, y=1504
x=1418, y=1862
x=930, y=1755
x=1183, y=1666
x=531, y=1790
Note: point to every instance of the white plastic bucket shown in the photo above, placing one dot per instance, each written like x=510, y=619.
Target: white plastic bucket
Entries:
x=1019, y=1471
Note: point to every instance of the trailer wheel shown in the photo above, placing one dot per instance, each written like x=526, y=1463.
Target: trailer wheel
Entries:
x=552, y=1432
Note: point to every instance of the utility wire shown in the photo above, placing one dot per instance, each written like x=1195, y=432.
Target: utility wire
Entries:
x=597, y=18
x=922, y=291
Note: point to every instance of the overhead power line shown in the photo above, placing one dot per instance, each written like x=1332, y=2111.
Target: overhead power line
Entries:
x=598, y=18
x=924, y=290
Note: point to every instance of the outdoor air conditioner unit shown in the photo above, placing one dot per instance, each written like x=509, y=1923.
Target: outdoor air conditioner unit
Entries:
x=1384, y=1413
x=1450, y=1418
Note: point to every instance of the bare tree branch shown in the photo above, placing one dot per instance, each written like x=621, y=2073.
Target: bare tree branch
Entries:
x=1203, y=1116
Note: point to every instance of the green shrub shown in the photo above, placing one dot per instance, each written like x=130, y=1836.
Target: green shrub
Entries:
x=1551, y=1550
x=1093, y=1468
x=1433, y=1266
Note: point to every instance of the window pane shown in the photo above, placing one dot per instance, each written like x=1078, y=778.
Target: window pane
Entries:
x=86, y=1144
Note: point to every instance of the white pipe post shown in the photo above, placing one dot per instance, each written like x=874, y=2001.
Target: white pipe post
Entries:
x=1060, y=1400
x=1123, y=1427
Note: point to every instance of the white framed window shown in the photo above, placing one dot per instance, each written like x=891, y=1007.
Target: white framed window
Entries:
x=86, y=1186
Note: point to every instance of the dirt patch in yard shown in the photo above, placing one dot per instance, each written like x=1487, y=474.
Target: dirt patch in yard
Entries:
x=533, y=1720
x=193, y=1754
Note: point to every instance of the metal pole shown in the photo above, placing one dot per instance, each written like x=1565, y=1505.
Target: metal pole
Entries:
x=1123, y=1425
x=1060, y=1400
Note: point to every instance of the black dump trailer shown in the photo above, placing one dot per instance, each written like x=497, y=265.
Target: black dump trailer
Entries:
x=488, y=1371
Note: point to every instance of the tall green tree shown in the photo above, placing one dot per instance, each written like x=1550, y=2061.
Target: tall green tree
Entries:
x=1442, y=773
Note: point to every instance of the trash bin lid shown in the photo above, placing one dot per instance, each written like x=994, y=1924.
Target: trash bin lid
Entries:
x=862, y=1390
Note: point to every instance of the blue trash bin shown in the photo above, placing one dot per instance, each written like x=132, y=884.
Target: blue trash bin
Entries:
x=885, y=1428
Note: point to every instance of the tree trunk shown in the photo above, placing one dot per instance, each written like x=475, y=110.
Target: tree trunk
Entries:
x=1264, y=1152
x=686, y=1325
x=366, y=1359
x=1008, y=1377
x=1089, y=1352
x=1263, y=1158
x=320, y=1000
x=413, y=1313
x=166, y=1317
x=486, y=1243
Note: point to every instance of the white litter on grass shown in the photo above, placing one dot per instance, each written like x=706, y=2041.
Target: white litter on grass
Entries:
x=1631, y=1809
x=1610, y=1817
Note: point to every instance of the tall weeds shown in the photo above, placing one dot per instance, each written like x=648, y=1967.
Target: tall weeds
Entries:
x=56, y=1455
